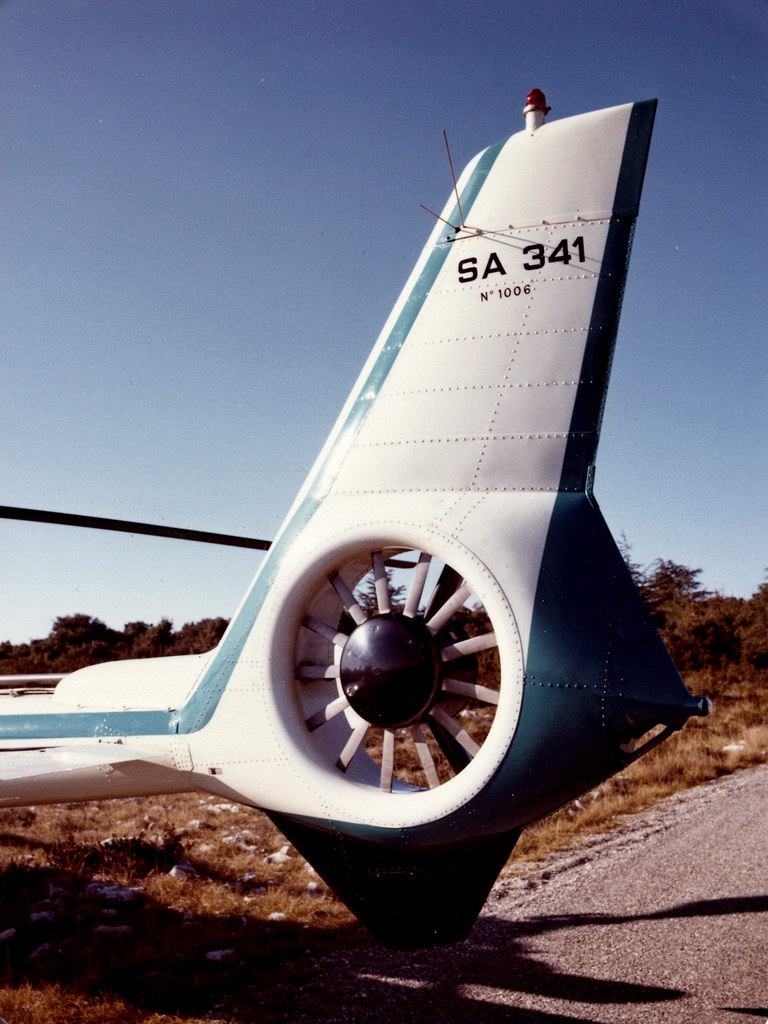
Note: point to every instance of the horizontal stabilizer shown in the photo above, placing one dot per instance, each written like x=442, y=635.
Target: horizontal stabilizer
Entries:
x=409, y=898
x=26, y=764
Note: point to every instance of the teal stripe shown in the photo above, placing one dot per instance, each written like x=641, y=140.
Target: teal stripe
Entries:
x=198, y=710
x=88, y=723
x=584, y=430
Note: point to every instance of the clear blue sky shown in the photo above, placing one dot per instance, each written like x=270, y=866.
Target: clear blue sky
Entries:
x=208, y=207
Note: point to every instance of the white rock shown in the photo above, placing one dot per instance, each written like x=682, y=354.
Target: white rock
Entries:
x=260, y=890
x=220, y=954
x=281, y=857
x=182, y=870
x=42, y=951
x=42, y=915
x=111, y=891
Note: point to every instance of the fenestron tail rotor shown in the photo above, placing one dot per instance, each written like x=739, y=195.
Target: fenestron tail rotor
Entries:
x=397, y=670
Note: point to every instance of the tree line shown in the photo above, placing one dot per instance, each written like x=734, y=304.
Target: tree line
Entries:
x=702, y=630
x=79, y=640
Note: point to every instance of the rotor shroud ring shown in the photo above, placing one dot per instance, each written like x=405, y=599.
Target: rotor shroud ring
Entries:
x=396, y=669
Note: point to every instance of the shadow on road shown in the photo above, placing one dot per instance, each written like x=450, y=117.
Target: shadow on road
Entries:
x=489, y=977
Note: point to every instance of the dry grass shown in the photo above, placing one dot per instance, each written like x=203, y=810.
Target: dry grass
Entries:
x=105, y=932
x=100, y=933
x=35, y=1005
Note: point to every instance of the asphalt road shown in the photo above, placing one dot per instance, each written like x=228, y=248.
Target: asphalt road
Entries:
x=664, y=921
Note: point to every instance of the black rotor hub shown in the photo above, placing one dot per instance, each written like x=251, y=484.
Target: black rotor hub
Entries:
x=390, y=670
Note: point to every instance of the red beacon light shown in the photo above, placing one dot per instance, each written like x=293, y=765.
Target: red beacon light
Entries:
x=535, y=109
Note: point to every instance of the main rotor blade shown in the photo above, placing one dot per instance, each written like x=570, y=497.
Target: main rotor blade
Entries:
x=34, y=515
x=399, y=563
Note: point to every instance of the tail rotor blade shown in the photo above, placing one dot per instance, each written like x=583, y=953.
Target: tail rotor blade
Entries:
x=448, y=582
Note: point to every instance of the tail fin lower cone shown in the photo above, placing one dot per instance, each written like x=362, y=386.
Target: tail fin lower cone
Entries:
x=409, y=898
